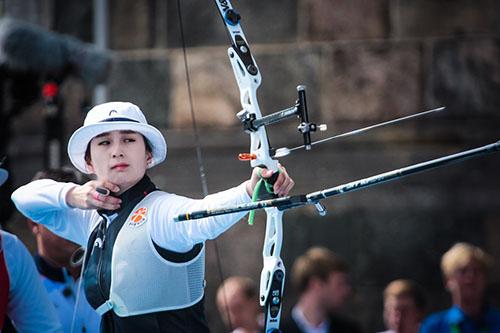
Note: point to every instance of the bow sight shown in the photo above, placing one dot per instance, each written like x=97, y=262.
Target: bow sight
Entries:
x=252, y=124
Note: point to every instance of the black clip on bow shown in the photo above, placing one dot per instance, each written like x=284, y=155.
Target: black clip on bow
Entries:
x=305, y=127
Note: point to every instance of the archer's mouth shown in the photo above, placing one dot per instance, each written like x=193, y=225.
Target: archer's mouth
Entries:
x=119, y=166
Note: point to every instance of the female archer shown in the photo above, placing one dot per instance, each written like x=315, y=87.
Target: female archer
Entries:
x=142, y=271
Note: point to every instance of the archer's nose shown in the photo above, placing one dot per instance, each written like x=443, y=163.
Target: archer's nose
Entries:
x=117, y=151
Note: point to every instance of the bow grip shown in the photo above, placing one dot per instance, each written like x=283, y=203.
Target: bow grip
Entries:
x=264, y=190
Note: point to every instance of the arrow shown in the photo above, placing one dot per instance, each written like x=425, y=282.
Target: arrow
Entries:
x=280, y=152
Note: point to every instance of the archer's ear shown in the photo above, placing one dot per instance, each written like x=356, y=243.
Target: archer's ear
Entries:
x=90, y=167
x=149, y=157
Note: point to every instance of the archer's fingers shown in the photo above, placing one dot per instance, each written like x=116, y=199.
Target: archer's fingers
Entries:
x=285, y=185
x=288, y=188
x=102, y=200
x=107, y=185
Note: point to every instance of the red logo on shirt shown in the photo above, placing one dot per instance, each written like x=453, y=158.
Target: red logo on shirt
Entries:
x=138, y=218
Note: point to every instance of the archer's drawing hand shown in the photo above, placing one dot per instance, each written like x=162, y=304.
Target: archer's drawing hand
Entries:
x=94, y=195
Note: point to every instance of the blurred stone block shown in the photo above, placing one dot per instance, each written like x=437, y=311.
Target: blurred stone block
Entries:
x=266, y=21
x=262, y=22
x=346, y=19
x=464, y=75
x=160, y=24
x=27, y=10
x=377, y=80
x=443, y=18
x=215, y=94
x=143, y=80
x=202, y=25
x=129, y=24
x=74, y=17
x=282, y=70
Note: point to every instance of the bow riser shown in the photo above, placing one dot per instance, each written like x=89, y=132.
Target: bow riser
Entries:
x=248, y=85
x=248, y=79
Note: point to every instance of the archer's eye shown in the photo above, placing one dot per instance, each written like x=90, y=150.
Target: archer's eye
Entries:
x=129, y=140
x=103, y=143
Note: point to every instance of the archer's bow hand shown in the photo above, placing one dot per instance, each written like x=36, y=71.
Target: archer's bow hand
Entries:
x=279, y=182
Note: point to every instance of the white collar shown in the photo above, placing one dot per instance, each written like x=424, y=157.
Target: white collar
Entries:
x=306, y=326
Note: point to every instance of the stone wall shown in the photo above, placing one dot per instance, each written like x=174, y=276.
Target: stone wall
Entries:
x=363, y=62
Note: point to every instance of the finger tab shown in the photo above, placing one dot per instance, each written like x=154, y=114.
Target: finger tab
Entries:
x=102, y=190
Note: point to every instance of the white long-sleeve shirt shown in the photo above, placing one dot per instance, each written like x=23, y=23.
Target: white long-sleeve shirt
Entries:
x=29, y=306
x=44, y=202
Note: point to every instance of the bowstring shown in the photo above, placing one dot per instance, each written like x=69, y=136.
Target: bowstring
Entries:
x=199, y=155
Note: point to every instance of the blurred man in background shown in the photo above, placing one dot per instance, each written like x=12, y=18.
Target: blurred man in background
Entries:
x=238, y=304
x=24, y=303
x=465, y=270
x=404, y=306
x=322, y=280
x=61, y=276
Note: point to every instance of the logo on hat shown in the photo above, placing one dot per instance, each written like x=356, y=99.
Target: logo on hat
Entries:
x=112, y=111
x=138, y=218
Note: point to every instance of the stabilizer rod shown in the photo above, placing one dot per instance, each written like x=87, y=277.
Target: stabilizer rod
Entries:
x=314, y=197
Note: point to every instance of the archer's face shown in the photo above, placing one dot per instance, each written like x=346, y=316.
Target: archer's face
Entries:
x=120, y=157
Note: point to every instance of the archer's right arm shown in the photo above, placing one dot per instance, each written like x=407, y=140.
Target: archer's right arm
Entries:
x=44, y=201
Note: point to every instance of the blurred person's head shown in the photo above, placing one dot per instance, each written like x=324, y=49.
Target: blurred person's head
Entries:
x=323, y=275
x=404, y=306
x=55, y=250
x=465, y=270
x=238, y=303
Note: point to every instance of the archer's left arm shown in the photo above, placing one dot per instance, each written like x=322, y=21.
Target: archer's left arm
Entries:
x=182, y=236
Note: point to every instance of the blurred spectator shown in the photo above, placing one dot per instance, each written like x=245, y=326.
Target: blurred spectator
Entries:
x=404, y=306
x=60, y=276
x=238, y=304
x=322, y=280
x=24, y=303
x=465, y=270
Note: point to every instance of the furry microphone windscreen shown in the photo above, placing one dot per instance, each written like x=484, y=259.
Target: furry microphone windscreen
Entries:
x=26, y=47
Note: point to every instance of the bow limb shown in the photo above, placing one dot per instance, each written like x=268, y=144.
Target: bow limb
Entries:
x=248, y=79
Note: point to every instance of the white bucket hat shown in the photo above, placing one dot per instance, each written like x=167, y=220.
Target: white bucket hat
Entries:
x=3, y=176
x=114, y=116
